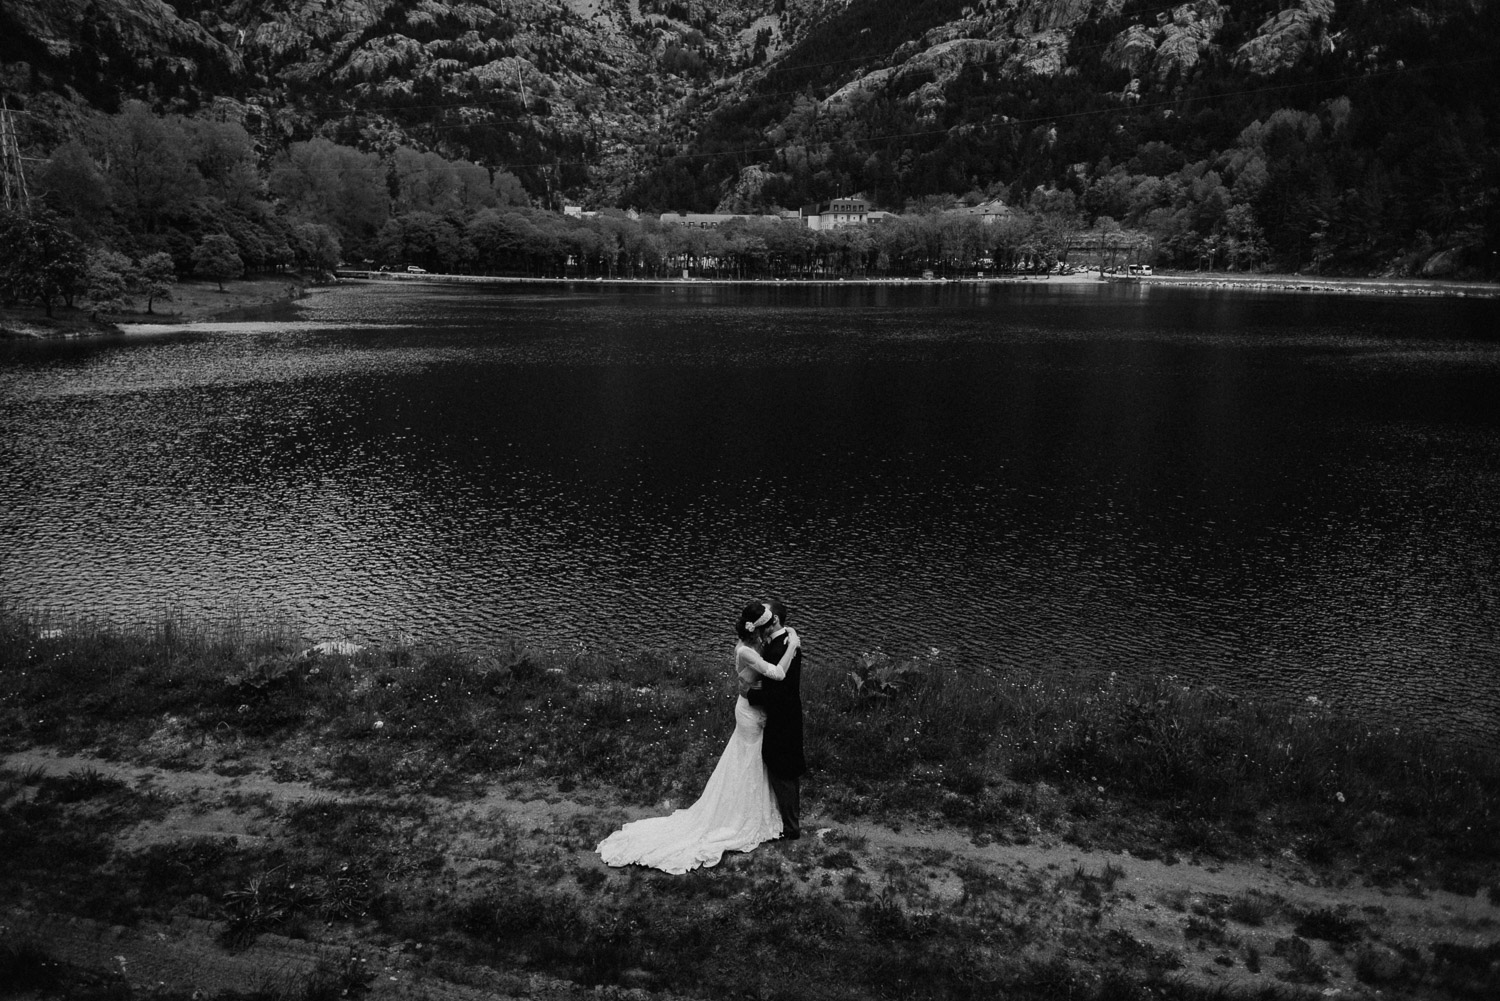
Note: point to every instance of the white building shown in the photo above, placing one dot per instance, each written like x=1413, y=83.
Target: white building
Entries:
x=842, y=212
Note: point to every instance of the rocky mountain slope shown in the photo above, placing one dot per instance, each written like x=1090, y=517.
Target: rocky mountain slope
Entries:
x=523, y=82
x=687, y=104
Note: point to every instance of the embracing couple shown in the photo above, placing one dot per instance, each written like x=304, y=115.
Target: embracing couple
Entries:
x=754, y=793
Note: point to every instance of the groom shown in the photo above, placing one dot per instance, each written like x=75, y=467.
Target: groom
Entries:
x=781, y=748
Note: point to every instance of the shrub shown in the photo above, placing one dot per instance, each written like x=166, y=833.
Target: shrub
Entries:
x=1330, y=925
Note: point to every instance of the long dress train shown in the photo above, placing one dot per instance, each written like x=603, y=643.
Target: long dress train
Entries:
x=736, y=812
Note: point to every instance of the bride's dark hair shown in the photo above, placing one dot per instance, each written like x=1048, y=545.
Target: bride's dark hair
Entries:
x=745, y=627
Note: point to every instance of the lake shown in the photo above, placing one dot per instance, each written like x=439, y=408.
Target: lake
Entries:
x=1286, y=495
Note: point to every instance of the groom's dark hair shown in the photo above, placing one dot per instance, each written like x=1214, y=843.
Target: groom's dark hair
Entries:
x=778, y=610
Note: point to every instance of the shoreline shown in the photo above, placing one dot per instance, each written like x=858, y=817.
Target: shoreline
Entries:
x=201, y=301
x=1307, y=283
x=192, y=301
x=1269, y=282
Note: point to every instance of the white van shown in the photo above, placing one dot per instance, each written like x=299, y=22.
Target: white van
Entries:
x=412, y=269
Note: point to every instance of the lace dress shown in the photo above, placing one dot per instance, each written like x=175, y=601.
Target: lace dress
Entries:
x=736, y=812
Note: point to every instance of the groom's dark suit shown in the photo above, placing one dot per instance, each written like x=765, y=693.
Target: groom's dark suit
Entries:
x=781, y=748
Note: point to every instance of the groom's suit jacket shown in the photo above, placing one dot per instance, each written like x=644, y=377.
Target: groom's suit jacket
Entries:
x=781, y=748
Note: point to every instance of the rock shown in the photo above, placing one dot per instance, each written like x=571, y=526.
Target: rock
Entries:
x=635, y=977
x=1133, y=49
x=1440, y=265
x=1285, y=37
x=331, y=648
x=1379, y=964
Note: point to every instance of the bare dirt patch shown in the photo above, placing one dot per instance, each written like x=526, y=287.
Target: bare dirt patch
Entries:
x=1242, y=926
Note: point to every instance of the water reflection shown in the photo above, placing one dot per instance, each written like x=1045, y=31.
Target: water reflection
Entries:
x=1287, y=494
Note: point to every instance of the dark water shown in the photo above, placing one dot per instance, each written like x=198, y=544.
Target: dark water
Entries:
x=1291, y=495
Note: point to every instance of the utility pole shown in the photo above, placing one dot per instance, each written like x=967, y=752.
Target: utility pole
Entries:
x=13, y=196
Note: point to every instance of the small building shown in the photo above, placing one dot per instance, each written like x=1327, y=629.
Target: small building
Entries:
x=986, y=212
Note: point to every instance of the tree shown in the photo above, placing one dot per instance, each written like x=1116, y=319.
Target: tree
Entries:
x=108, y=279
x=508, y=189
x=73, y=185
x=225, y=156
x=1243, y=241
x=156, y=275
x=339, y=186
x=39, y=260
x=317, y=246
x=216, y=258
x=146, y=160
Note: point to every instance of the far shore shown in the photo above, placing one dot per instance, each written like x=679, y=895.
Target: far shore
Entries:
x=203, y=301
x=1207, y=279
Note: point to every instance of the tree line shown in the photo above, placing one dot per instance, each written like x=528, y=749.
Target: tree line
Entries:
x=137, y=199
x=935, y=235
x=141, y=198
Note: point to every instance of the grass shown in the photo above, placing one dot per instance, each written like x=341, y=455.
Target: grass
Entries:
x=1107, y=762
x=1150, y=765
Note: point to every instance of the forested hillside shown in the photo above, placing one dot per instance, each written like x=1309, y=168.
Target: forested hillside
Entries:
x=1326, y=135
x=558, y=93
x=1323, y=135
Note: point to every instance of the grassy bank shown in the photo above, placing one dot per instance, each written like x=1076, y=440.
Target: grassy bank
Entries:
x=191, y=301
x=204, y=300
x=396, y=739
x=26, y=323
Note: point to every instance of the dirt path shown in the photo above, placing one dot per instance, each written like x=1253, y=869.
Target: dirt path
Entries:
x=1212, y=915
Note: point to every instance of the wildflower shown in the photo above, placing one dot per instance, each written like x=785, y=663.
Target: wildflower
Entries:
x=379, y=724
x=1340, y=796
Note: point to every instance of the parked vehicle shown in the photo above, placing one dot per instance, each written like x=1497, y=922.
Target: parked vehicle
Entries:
x=412, y=269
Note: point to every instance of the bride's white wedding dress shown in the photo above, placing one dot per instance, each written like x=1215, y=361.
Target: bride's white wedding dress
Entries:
x=736, y=812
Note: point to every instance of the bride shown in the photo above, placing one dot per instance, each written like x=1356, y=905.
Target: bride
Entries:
x=737, y=810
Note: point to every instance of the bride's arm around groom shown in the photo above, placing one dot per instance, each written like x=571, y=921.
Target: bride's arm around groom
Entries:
x=751, y=666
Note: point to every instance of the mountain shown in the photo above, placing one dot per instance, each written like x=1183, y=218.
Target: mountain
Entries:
x=1348, y=130
x=562, y=92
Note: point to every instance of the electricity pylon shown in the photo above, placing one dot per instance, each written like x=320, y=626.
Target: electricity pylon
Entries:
x=13, y=196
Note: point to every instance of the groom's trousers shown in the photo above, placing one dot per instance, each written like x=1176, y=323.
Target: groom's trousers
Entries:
x=788, y=792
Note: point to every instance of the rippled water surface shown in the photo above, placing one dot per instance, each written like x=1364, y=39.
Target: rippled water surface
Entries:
x=1285, y=494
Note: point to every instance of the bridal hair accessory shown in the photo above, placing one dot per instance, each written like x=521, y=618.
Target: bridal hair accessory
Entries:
x=765, y=616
